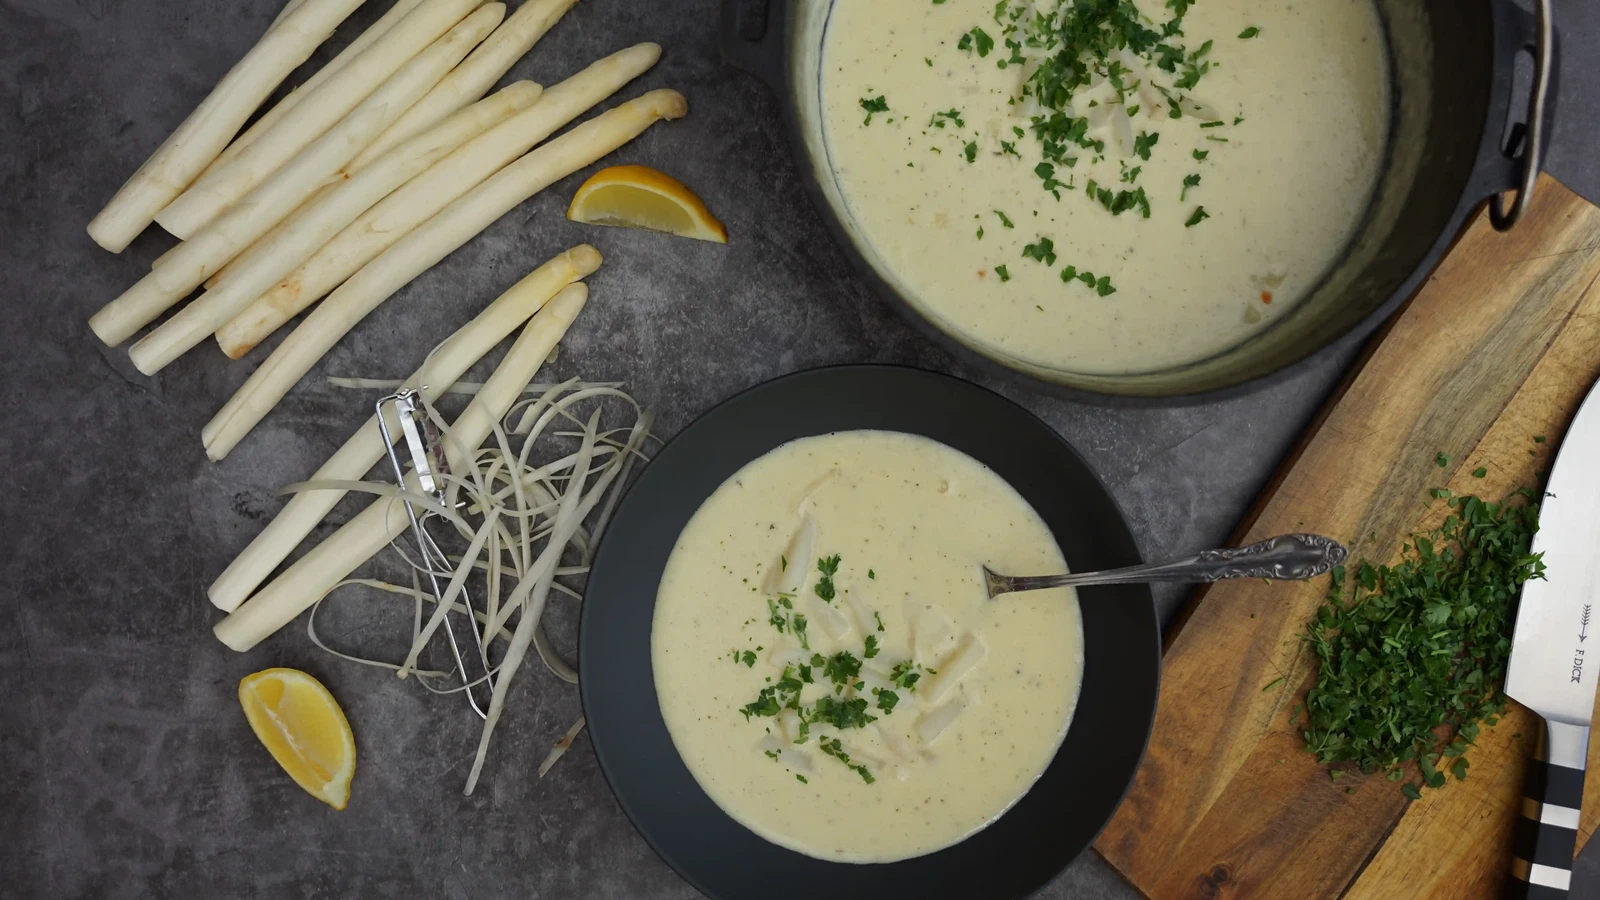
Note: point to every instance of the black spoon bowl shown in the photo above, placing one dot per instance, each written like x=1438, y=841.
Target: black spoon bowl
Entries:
x=1063, y=811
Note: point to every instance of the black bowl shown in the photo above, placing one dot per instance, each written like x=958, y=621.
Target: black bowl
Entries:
x=1061, y=813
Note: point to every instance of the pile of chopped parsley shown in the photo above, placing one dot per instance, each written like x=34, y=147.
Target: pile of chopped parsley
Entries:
x=1413, y=656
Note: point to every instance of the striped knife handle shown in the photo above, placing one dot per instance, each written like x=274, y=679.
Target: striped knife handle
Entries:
x=1547, y=831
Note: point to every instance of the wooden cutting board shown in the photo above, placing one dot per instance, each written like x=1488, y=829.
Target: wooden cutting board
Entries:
x=1500, y=346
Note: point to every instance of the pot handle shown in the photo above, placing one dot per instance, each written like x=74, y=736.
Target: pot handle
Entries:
x=1539, y=38
x=752, y=34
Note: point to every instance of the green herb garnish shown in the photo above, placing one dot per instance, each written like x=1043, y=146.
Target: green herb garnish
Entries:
x=875, y=105
x=829, y=567
x=1143, y=143
x=1413, y=656
x=906, y=674
x=1005, y=274
x=1197, y=217
x=1249, y=33
x=833, y=748
x=1044, y=251
x=976, y=39
x=840, y=668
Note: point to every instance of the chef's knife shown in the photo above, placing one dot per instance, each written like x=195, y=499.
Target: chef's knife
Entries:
x=1551, y=671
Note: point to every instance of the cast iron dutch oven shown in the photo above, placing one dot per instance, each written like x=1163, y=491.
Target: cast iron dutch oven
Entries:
x=1063, y=811
x=1449, y=151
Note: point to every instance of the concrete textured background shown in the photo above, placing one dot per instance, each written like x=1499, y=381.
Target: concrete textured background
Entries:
x=126, y=768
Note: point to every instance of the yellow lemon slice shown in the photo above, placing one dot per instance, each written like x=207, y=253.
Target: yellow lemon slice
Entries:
x=304, y=729
x=641, y=197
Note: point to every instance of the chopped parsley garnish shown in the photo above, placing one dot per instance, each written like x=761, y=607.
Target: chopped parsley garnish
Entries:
x=1413, y=656
x=747, y=657
x=833, y=748
x=887, y=701
x=1197, y=217
x=976, y=39
x=951, y=116
x=1143, y=143
x=1044, y=251
x=875, y=105
x=1101, y=285
x=1009, y=149
x=906, y=674
x=842, y=714
x=828, y=566
x=798, y=624
x=1003, y=219
x=797, y=776
x=1249, y=33
x=784, y=694
x=1442, y=460
x=1189, y=181
x=1004, y=274
x=1201, y=154
x=980, y=232
x=842, y=668
x=872, y=647
x=970, y=151
x=871, y=574
x=879, y=620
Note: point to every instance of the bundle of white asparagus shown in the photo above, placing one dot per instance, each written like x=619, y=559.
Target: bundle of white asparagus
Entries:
x=378, y=166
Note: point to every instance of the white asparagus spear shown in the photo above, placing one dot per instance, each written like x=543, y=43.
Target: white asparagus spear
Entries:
x=408, y=207
x=321, y=109
x=269, y=203
x=243, y=223
x=293, y=241
x=358, y=540
x=421, y=249
x=470, y=80
x=369, y=154
x=301, y=233
x=441, y=369
x=288, y=8
x=270, y=118
x=207, y=130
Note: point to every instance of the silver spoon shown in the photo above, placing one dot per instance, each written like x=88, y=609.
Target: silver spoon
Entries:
x=1287, y=557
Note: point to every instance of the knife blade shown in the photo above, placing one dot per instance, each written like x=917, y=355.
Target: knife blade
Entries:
x=1553, y=667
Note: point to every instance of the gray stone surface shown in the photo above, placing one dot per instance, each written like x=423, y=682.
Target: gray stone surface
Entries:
x=126, y=768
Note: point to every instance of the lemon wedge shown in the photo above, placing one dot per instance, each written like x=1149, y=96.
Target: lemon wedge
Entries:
x=641, y=197
x=304, y=729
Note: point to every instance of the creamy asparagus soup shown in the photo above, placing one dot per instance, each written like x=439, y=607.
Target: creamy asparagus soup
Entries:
x=1093, y=191
x=826, y=660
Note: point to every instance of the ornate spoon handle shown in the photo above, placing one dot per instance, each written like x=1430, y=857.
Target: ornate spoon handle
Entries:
x=1287, y=557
